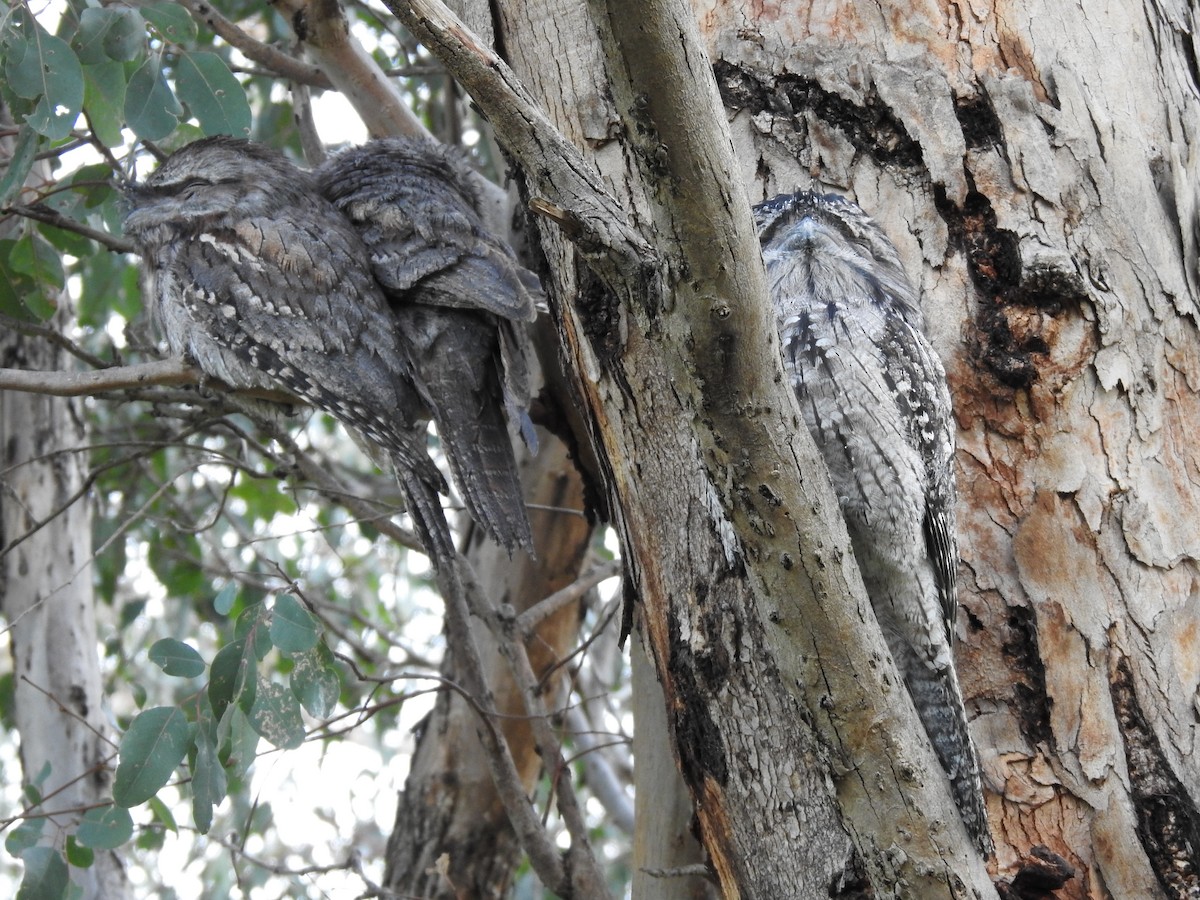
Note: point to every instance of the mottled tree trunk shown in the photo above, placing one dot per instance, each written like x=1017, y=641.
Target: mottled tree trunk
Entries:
x=1037, y=167
x=730, y=551
x=47, y=600
x=1037, y=164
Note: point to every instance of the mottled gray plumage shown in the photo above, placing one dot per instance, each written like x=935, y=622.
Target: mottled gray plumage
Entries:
x=874, y=397
x=264, y=284
x=461, y=298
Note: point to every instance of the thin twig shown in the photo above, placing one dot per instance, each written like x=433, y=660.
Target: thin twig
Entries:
x=41, y=213
x=529, y=620
x=280, y=63
x=53, y=336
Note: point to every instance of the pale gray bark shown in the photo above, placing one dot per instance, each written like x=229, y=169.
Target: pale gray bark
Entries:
x=48, y=604
x=668, y=861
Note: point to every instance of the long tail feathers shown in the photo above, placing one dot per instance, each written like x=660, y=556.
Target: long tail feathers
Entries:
x=939, y=704
x=485, y=469
x=429, y=521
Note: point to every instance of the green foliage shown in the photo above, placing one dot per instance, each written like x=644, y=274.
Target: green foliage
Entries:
x=44, y=70
x=152, y=747
x=140, y=69
x=106, y=33
x=209, y=783
x=233, y=678
x=217, y=730
x=276, y=716
x=177, y=658
x=24, y=836
x=151, y=108
x=171, y=22
x=117, y=58
x=293, y=628
x=104, y=828
x=213, y=95
x=79, y=855
x=23, y=153
x=46, y=874
x=21, y=295
x=315, y=681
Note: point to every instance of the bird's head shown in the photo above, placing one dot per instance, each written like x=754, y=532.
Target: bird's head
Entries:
x=211, y=181
x=828, y=242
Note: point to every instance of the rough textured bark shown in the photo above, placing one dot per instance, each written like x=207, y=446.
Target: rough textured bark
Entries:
x=1037, y=163
x=729, y=577
x=449, y=804
x=1046, y=200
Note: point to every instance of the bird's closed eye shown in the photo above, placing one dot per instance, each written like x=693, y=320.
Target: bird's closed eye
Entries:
x=193, y=183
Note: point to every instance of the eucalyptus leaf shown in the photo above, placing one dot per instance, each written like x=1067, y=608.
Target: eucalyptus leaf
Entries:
x=105, y=828
x=24, y=152
x=104, y=100
x=172, y=22
x=293, y=628
x=209, y=783
x=151, y=748
x=109, y=33
x=276, y=716
x=151, y=109
x=316, y=682
x=176, y=658
x=46, y=874
x=212, y=94
x=44, y=68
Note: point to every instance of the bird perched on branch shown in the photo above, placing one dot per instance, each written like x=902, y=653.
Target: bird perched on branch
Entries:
x=874, y=396
x=263, y=283
x=461, y=300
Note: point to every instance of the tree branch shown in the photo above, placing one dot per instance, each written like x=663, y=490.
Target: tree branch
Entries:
x=41, y=213
x=528, y=621
x=321, y=25
x=456, y=584
x=589, y=215
x=280, y=63
x=54, y=336
x=584, y=871
x=165, y=373
x=172, y=371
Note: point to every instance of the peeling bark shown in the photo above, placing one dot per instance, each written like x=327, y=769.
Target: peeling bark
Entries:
x=1039, y=171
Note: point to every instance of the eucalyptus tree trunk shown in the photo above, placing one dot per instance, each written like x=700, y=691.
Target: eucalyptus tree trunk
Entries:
x=48, y=606
x=1037, y=167
x=674, y=351
x=47, y=601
